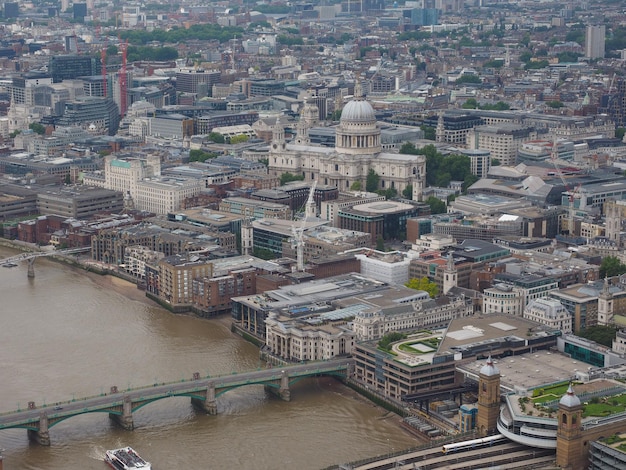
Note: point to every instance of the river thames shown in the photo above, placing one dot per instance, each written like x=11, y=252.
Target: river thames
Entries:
x=68, y=334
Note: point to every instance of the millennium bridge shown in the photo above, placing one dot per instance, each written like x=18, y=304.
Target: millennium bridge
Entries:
x=31, y=256
x=120, y=404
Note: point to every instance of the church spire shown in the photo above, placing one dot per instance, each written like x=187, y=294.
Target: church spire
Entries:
x=440, y=132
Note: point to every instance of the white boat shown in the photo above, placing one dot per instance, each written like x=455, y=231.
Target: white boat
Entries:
x=125, y=458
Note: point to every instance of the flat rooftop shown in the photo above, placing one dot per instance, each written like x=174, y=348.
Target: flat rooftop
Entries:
x=533, y=370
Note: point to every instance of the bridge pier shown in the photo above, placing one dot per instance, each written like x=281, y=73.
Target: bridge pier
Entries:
x=283, y=391
x=209, y=404
x=31, y=268
x=125, y=420
x=42, y=435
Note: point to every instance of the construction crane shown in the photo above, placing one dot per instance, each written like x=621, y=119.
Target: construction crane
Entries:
x=298, y=232
x=572, y=193
x=123, y=79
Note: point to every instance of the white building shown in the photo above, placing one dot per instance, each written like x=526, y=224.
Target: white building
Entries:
x=358, y=150
x=619, y=343
x=502, y=141
x=391, y=268
x=424, y=313
x=549, y=312
x=136, y=257
x=139, y=179
x=595, y=41
x=502, y=298
x=296, y=340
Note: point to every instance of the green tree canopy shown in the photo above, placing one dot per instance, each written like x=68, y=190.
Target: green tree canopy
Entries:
x=356, y=186
x=372, y=181
x=611, y=266
x=430, y=133
x=425, y=285
x=600, y=334
x=555, y=104
x=239, y=139
x=468, y=78
x=380, y=243
x=200, y=155
x=407, y=192
x=37, y=128
x=470, y=103
x=390, y=338
x=437, y=206
x=288, y=177
x=216, y=137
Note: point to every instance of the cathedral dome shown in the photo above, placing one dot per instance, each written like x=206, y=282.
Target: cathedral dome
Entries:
x=358, y=111
x=489, y=369
x=569, y=399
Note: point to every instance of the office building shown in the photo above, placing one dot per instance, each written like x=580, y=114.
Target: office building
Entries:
x=595, y=39
x=65, y=67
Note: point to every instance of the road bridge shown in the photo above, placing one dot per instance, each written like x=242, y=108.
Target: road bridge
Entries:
x=203, y=391
x=31, y=256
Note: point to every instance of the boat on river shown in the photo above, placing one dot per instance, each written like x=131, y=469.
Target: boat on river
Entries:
x=125, y=458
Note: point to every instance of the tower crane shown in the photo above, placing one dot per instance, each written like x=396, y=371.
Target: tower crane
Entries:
x=298, y=232
x=572, y=193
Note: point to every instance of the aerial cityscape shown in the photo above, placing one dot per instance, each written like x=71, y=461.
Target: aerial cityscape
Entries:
x=334, y=234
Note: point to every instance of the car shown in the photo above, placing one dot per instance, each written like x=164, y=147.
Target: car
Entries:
x=57, y=408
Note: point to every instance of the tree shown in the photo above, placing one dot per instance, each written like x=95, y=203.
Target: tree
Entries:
x=555, y=104
x=600, y=334
x=390, y=338
x=356, y=186
x=380, y=243
x=216, y=137
x=408, y=192
x=372, y=180
x=423, y=284
x=264, y=253
x=336, y=115
x=430, y=133
x=389, y=193
x=288, y=177
x=468, y=78
x=495, y=162
x=408, y=148
x=239, y=139
x=196, y=155
x=37, y=128
x=619, y=133
x=611, y=266
x=470, y=103
x=469, y=180
x=437, y=206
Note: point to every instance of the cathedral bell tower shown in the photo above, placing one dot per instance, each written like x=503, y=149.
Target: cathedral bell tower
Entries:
x=278, y=137
x=569, y=448
x=488, y=398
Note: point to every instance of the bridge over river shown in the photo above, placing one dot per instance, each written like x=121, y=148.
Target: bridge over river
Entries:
x=31, y=256
x=120, y=404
